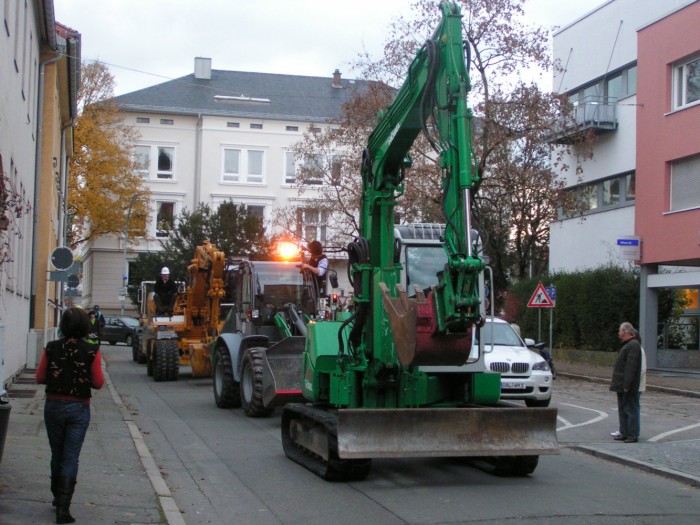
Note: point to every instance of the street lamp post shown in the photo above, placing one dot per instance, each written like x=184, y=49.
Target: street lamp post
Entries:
x=125, y=277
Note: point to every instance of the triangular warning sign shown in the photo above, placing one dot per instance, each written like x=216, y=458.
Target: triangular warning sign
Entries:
x=540, y=299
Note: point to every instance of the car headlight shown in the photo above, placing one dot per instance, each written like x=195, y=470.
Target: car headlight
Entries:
x=541, y=365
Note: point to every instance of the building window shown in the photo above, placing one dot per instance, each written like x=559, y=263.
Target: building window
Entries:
x=311, y=224
x=614, y=192
x=165, y=218
x=167, y=121
x=142, y=159
x=143, y=120
x=232, y=160
x=611, y=191
x=243, y=165
x=256, y=211
x=687, y=83
x=292, y=128
x=233, y=125
x=163, y=168
x=290, y=169
x=613, y=88
x=256, y=126
x=685, y=184
x=311, y=170
x=166, y=156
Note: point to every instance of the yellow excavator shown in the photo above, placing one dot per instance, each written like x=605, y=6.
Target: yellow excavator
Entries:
x=168, y=342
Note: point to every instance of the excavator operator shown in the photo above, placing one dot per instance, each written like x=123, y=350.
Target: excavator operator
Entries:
x=165, y=293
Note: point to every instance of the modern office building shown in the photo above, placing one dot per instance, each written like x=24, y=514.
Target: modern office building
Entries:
x=631, y=68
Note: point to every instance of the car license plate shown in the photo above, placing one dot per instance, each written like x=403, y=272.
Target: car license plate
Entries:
x=166, y=334
x=512, y=385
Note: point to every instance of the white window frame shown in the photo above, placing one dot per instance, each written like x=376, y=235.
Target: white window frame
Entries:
x=163, y=200
x=680, y=83
x=152, y=172
x=289, y=161
x=312, y=224
x=245, y=165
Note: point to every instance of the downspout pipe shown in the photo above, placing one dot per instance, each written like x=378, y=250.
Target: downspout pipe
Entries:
x=37, y=181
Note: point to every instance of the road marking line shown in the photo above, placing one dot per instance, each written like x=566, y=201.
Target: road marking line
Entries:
x=568, y=425
x=671, y=432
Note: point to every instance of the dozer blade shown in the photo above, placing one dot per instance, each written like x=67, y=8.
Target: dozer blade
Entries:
x=442, y=432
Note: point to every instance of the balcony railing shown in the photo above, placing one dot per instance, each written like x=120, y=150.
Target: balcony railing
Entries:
x=598, y=114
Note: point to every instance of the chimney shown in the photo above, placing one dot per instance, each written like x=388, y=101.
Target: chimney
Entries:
x=202, y=68
x=336, y=80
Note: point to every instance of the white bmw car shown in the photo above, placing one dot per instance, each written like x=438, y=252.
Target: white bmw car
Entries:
x=525, y=375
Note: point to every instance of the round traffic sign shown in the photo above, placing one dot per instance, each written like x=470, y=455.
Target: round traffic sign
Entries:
x=62, y=258
x=73, y=281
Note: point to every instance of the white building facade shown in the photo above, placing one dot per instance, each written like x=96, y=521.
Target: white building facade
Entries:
x=211, y=137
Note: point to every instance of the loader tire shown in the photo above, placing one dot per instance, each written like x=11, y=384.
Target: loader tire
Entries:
x=167, y=360
x=227, y=391
x=252, y=384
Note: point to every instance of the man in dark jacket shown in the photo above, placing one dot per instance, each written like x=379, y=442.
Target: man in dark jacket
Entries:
x=625, y=381
x=165, y=293
x=317, y=265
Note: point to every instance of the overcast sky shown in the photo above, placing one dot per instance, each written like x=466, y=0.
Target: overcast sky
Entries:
x=146, y=42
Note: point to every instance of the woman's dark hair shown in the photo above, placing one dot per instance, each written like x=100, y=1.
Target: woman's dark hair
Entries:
x=74, y=323
x=316, y=248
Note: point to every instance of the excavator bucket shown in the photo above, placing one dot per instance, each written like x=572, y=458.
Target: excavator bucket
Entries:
x=281, y=371
x=415, y=336
x=443, y=432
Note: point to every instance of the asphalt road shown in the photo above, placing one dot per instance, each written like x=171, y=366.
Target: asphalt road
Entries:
x=224, y=468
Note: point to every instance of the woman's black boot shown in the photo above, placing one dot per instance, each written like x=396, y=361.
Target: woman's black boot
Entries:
x=66, y=486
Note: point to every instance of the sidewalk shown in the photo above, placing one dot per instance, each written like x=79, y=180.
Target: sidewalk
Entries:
x=675, y=460
x=118, y=481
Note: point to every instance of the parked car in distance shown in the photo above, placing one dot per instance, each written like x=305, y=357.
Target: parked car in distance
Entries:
x=525, y=375
x=120, y=329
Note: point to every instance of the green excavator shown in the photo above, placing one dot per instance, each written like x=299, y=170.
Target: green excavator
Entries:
x=395, y=378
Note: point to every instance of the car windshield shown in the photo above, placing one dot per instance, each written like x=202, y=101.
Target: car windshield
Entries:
x=503, y=335
x=279, y=283
x=130, y=321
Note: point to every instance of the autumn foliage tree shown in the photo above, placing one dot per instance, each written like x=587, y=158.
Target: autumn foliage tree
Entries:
x=102, y=179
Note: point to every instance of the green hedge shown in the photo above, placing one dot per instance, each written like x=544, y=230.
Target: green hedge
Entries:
x=589, y=308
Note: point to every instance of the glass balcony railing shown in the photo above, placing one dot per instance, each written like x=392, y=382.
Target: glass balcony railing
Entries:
x=597, y=114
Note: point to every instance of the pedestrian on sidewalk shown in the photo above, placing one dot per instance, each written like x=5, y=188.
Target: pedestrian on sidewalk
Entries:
x=625, y=382
x=69, y=368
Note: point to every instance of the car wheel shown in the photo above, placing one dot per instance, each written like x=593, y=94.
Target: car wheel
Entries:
x=537, y=403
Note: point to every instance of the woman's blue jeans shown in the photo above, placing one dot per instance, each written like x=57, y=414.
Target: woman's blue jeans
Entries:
x=66, y=425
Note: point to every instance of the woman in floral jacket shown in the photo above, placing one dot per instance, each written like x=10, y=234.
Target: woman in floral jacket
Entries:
x=70, y=367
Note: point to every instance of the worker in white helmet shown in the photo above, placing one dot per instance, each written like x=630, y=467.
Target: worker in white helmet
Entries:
x=165, y=293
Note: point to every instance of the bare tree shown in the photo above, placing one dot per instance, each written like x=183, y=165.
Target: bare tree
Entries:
x=519, y=191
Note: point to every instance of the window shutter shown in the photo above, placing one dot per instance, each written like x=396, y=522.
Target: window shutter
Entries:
x=685, y=184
